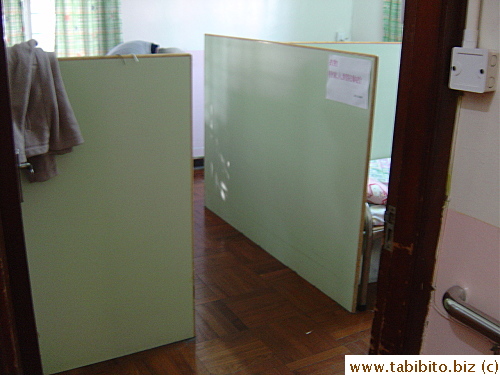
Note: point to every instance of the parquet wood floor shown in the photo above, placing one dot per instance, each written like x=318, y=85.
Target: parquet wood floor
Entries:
x=254, y=316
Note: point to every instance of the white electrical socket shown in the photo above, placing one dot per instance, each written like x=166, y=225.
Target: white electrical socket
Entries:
x=473, y=69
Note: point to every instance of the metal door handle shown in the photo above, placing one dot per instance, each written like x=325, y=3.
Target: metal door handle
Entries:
x=455, y=305
x=24, y=165
x=27, y=166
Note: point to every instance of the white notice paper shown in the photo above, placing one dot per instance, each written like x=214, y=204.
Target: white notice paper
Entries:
x=349, y=80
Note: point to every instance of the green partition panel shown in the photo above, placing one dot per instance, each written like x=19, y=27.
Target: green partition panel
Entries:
x=389, y=55
x=283, y=164
x=109, y=240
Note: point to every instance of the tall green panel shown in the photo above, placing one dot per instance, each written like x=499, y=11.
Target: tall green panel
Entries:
x=283, y=164
x=109, y=240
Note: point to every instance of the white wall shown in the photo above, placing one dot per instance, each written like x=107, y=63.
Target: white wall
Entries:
x=367, y=21
x=469, y=250
x=183, y=23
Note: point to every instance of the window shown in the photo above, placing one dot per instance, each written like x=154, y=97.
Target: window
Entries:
x=393, y=20
x=68, y=27
x=39, y=17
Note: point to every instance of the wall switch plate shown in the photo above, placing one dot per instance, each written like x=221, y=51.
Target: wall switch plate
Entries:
x=473, y=69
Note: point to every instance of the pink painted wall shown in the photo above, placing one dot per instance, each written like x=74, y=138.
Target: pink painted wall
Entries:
x=469, y=249
x=468, y=257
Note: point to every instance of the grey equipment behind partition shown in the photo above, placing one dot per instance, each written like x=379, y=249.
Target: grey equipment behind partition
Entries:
x=109, y=240
x=285, y=165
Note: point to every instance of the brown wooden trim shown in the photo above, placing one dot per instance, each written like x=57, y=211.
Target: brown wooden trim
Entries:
x=9, y=348
x=20, y=328
x=425, y=118
x=123, y=57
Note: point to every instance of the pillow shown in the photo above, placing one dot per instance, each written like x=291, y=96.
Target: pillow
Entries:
x=376, y=192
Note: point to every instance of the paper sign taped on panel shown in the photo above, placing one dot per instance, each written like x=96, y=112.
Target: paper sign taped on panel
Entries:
x=349, y=80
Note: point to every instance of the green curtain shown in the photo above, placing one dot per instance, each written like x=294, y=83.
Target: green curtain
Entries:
x=393, y=16
x=87, y=27
x=13, y=21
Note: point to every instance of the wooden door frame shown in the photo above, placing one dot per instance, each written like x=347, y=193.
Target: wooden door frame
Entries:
x=19, y=349
x=424, y=126
x=425, y=119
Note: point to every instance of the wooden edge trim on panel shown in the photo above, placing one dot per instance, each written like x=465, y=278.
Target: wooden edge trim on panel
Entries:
x=291, y=44
x=359, y=262
x=344, y=43
x=123, y=57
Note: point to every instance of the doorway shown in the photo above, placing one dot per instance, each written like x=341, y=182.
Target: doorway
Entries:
x=431, y=26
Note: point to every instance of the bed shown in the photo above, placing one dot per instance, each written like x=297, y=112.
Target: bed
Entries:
x=373, y=232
